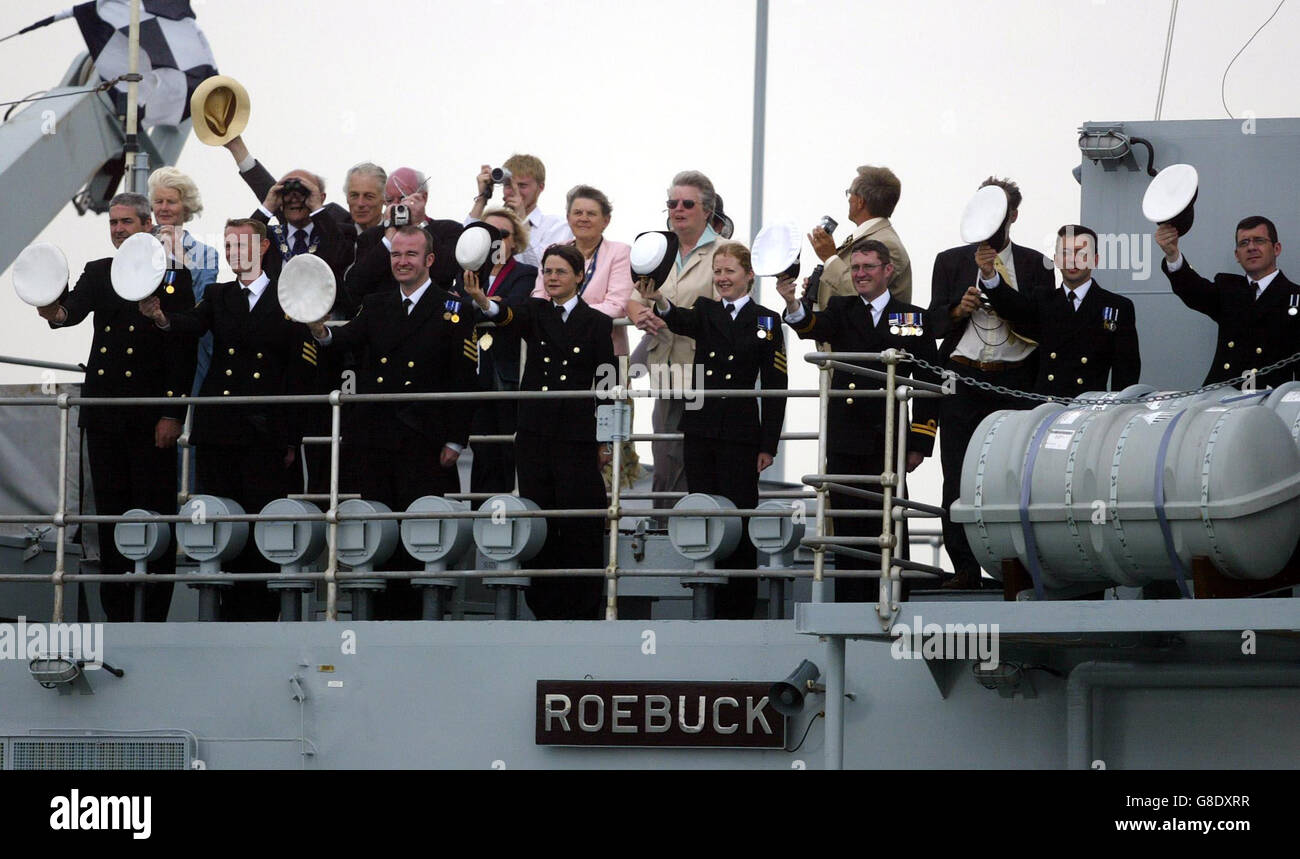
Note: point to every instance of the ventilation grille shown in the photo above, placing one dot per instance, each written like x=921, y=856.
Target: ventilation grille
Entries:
x=95, y=753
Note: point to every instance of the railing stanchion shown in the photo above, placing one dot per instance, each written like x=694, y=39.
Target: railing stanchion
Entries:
x=615, y=490
x=187, y=457
x=885, y=608
x=819, y=552
x=60, y=528
x=332, y=516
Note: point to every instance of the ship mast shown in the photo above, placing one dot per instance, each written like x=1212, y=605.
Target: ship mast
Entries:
x=137, y=163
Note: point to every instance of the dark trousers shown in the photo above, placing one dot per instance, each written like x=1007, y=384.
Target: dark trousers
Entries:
x=493, y=469
x=960, y=414
x=129, y=472
x=729, y=469
x=859, y=589
x=564, y=474
x=396, y=478
x=254, y=476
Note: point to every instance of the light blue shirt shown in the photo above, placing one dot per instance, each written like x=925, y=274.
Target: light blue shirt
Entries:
x=203, y=263
x=706, y=238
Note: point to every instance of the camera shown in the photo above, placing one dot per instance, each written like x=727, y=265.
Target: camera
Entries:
x=294, y=185
x=828, y=224
x=399, y=215
x=500, y=175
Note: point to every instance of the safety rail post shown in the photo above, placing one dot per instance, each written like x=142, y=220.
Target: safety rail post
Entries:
x=187, y=454
x=59, y=524
x=332, y=515
x=904, y=427
x=888, y=479
x=615, y=488
x=819, y=552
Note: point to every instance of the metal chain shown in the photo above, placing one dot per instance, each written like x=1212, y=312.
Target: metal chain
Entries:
x=945, y=373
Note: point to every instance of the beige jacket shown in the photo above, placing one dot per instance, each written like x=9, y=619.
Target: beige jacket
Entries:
x=695, y=279
x=836, y=279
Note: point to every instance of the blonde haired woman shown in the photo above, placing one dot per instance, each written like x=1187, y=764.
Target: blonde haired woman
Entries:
x=175, y=199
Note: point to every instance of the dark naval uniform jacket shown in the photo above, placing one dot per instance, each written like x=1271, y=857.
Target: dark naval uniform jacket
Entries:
x=857, y=424
x=569, y=355
x=1078, y=350
x=372, y=271
x=129, y=355
x=257, y=352
x=499, y=358
x=431, y=349
x=1252, y=333
x=734, y=354
x=955, y=272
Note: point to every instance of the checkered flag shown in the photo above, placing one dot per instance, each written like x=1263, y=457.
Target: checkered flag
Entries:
x=174, y=53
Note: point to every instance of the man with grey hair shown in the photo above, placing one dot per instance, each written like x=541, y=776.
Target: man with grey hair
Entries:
x=260, y=181
x=364, y=189
x=691, y=203
x=372, y=271
x=131, y=449
x=872, y=196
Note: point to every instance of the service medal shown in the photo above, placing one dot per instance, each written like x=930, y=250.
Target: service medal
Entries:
x=893, y=329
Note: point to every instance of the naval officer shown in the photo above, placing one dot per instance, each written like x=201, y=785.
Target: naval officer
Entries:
x=570, y=348
x=873, y=320
x=246, y=453
x=729, y=441
x=1086, y=335
x=1258, y=313
x=417, y=338
x=131, y=449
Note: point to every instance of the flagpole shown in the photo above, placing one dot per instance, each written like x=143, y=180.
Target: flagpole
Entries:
x=134, y=182
x=44, y=22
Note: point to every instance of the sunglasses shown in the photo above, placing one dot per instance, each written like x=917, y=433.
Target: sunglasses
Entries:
x=686, y=204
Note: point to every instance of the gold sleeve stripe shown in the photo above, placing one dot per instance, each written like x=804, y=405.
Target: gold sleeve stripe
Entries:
x=924, y=430
x=809, y=320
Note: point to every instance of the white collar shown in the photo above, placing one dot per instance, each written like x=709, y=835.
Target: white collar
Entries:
x=738, y=303
x=256, y=288
x=568, y=305
x=1264, y=281
x=876, y=304
x=417, y=295
x=307, y=230
x=1080, y=291
x=866, y=226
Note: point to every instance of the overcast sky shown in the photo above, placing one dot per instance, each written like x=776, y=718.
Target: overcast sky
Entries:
x=622, y=96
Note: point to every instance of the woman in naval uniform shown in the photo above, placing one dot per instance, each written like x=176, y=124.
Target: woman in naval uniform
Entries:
x=729, y=441
x=558, y=460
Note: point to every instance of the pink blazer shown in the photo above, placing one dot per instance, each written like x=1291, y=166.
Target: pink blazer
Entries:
x=610, y=287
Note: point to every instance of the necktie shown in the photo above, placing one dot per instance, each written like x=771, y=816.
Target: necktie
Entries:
x=1072, y=295
x=407, y=304
x=1254, y=284
x=559, y=311
x=247, y=296
x=730, y=308
x=1001, y=268
x=300, y=242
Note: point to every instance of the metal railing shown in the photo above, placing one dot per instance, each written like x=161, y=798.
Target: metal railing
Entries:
x=894, y=507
